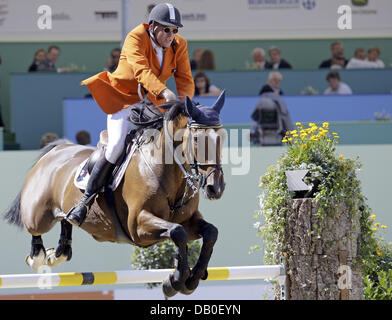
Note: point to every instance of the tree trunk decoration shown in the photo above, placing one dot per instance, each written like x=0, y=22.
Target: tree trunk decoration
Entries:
x=320, y=252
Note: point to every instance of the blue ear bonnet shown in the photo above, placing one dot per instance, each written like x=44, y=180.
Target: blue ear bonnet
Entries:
x=204, y=116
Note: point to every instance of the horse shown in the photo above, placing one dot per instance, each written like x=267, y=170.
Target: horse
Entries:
x=155, y=200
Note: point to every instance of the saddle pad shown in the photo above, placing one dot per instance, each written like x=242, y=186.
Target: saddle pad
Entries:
x=82, y=175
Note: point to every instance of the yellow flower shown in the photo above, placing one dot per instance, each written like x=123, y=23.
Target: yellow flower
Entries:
x=329, y=140
x=373, y=216
x=374, y=229
x=379, y=251
x=334, y=133
x=311, y=124
x=295, y=135
x=341, y=157
x=293, y=132
x=325, y=124
x=290, y=139
x=384, y=227
x=344, y=165
x=304, y=146
x=337, y=137
x=298, y=124
x=284, y=140
x=377, y=224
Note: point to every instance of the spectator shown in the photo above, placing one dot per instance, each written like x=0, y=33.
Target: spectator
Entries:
x=48, y=138
x=83, y=137
x=273, y=84
x=373, y=55
x=112, y=62
x=203, y=86
x=207, y=61
x=39, y=55
x=276, y=61
x=259, y=62
x=337, y=60
x=271, y=120
x=335, y=85
x=196, y=58
x=359, y=61
x=49, y=64
x=150, y=7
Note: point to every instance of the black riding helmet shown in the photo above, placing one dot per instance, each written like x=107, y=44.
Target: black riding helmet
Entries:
x=165, y=14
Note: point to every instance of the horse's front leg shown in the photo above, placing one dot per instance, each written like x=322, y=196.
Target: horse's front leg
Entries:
x=151, y=228
x=209, y=233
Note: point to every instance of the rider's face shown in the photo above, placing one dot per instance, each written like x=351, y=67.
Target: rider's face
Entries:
x=164, y=35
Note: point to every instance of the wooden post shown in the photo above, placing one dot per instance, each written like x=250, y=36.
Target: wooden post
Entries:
x=320, y=252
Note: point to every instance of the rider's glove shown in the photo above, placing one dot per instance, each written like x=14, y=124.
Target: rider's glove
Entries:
x=168, y=95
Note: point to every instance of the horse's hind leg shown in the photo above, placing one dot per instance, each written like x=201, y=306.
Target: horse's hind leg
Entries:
x=37, y=257
x=64, y=250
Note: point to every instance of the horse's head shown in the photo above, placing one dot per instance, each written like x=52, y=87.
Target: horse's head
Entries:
x=203, y=144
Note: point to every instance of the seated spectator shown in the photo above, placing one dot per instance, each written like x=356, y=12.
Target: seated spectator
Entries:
x=276, y=61
x=373, y=56
x=335, y=85
x=273, y=85
x=203, y=87
x=39, y=55
x=83, y=137
x=207, y=61
x=359, y=61
x=259, y=61
x=48, y=138
x=196, y=58
x=48, y=64
x=271, y=121
x=337, y=60
x=112, y=62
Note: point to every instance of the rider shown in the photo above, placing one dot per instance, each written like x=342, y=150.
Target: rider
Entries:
x=151, y=54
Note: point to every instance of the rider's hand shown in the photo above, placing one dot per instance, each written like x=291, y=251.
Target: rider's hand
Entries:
x=168, y=95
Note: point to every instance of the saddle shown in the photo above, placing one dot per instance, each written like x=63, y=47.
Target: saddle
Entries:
x=142, y=114
x=83, y=172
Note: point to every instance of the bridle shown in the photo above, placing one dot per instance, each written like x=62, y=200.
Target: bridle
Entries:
x=193, y=177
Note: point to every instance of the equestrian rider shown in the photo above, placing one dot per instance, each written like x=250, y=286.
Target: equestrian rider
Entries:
x=151, y=54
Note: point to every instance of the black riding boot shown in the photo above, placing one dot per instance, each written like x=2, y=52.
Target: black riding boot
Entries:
x=98, y=178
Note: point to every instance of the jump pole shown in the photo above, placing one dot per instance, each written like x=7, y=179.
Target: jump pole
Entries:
x=47, y=280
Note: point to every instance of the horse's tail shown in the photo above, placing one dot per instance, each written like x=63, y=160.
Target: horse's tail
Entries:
x=12, y=215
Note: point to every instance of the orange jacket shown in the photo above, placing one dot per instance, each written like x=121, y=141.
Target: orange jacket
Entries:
x=139, y=64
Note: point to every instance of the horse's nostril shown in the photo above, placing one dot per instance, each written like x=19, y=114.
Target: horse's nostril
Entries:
x=211, y=190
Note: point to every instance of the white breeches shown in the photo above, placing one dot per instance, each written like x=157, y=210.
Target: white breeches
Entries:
x=118, y=125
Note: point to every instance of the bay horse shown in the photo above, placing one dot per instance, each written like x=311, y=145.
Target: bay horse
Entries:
x=154, y=202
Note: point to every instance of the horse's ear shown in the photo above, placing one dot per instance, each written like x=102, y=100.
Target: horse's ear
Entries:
x=218, y=105
x=190, y=108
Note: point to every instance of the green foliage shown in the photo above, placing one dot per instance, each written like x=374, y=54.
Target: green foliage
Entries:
x=377, y=273
x=161, y=256
x=334, y=180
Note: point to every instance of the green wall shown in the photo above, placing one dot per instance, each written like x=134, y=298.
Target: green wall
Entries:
x=229, y=55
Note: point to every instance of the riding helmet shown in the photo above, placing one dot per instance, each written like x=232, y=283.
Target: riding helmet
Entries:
x=165, y=14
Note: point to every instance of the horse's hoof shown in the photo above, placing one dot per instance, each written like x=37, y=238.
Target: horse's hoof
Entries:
x=52, y=260
x=36, y=262
x=187, y=291
x=168, y=289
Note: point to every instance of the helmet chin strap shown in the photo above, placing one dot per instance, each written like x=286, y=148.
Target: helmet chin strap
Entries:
x=153, y=35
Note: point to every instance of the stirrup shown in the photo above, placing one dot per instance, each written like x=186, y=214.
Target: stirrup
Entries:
x=76, y=222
